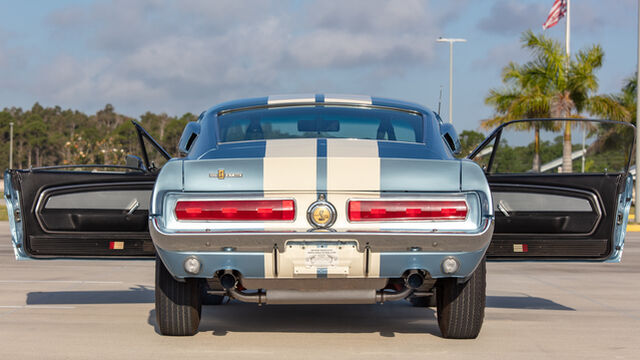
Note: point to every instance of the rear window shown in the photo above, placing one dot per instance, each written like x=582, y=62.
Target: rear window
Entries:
x=320, y=122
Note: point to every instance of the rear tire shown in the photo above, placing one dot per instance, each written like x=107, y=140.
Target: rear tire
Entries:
x=461, y=306
x=178, y=304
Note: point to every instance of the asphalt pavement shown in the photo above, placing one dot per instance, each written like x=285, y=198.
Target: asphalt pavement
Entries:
x=70, y=309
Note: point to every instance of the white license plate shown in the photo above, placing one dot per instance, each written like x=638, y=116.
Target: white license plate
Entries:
x=321, y=257
x=328, y=258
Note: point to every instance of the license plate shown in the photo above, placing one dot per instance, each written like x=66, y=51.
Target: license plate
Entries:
x=322, y=257
x=318, y=258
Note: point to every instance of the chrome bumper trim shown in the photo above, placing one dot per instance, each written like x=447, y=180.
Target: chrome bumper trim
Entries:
x=376, y=241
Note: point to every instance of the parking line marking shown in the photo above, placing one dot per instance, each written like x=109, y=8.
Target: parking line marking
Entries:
x=60, y=281
x=35, y=307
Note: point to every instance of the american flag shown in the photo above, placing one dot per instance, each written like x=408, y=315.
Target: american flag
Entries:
x=558, y=11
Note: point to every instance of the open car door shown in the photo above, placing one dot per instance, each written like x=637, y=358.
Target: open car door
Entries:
x=84, y=210
x=547, y=211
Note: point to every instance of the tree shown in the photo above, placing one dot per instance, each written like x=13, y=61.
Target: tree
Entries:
x=53, y=136
x=552, y=85
x=521, y=99
x=469, y=140
x=570, y=83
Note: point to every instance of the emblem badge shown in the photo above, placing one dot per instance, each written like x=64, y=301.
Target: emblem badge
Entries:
x=221, y=175
x=321, y=214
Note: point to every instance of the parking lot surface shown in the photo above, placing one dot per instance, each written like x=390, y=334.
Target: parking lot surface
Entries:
x=104, y=309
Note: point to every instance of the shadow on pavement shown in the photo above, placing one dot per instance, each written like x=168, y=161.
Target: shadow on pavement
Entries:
x=145, y=295
x=387, y=319
x=136, y=295
x=524, y=302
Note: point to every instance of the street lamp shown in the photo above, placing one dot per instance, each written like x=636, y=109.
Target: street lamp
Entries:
x=450, y=41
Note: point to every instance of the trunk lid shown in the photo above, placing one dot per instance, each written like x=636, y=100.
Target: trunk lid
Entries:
x=321, y=165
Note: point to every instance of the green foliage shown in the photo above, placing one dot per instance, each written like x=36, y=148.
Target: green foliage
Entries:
x=469, y=140
x=609, y=153
x=45, y=136
x=553, y=85
x=518, y=159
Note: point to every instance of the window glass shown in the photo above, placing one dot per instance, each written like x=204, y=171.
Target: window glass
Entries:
x=537, y=146
x=320, y=122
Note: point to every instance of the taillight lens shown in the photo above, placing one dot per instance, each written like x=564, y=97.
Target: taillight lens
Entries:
x=390, y=210
x=230, y=210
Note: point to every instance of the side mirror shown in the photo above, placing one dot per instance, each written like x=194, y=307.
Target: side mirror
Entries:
x=189, y=136
x=133, y=161
x=450, y=136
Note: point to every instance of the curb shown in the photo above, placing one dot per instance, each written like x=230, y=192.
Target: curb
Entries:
x=633, y=227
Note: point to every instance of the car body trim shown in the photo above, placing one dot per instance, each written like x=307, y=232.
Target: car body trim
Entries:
x=264, y=241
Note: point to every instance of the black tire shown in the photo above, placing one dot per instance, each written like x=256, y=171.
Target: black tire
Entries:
x=178, y=304
x=461, y=306
x=423, y=301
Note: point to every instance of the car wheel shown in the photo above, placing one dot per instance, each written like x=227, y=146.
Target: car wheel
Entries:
x=423, y=301
x=178, y=304
x=460, y=307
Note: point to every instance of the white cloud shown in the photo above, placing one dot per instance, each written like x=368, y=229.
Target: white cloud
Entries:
x=500, y=55
x=510, y=17
x=155, y=54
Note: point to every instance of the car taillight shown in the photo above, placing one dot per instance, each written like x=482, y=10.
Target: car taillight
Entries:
x=230, y=210
x=391, y=210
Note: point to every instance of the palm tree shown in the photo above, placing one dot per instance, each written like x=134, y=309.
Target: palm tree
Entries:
x=553, y=85
x=627, y=99
x=522, y=99
x=571, y=84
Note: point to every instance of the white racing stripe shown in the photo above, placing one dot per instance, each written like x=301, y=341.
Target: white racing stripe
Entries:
x=291, y=99
x=353, y=171
x=290, y=165
x=347, y=99
x=289, y=170
x=353, y=165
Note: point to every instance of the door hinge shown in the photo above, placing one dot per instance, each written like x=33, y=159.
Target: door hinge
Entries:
x=16, y=215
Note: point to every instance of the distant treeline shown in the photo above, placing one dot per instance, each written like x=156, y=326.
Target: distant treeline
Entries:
x=53, y=136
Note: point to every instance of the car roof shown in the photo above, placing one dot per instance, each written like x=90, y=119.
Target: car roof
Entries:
x=334, y=99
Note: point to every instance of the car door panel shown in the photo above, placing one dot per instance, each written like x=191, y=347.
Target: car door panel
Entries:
x=88, y=211
x=544, y=209
x=547, y=215
x=102, y=224
x=121, y=207
x=554, y=216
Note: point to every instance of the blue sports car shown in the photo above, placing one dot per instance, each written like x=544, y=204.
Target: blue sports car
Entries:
x=324, y=199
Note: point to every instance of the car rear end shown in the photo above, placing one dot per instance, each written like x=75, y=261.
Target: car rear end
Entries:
x=319, y=203
x=349, y=214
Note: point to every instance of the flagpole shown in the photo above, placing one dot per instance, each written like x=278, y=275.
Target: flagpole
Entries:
x=568, y=31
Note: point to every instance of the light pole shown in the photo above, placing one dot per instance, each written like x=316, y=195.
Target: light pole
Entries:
x=451, y=41
x=11, y=145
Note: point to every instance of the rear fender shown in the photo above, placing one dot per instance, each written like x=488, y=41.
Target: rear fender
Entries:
x=12, y=197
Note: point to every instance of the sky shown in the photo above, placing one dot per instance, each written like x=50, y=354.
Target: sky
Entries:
x=186, y=56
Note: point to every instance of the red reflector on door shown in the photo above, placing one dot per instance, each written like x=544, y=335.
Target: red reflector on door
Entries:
x=116, y=245
x=390, y=210
x=520, y=248
x=232, y=210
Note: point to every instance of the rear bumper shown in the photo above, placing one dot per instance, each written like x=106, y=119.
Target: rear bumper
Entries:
x=377, y=241
x=255, y=255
